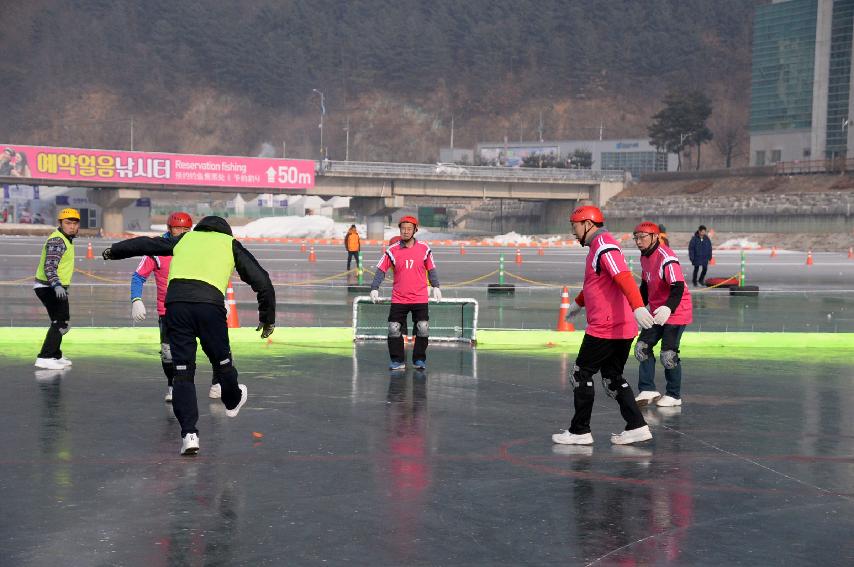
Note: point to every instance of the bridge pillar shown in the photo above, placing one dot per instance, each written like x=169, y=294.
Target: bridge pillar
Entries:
x=556, y=216
x=375, y=210
x=112, y=202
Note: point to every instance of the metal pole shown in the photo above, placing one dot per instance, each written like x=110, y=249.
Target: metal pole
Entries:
x=743, y=275
x=501, y=269
x=131, y=133
x=359, y=269
x=347, y=150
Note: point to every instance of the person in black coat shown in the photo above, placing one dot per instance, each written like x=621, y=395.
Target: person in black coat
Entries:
x=700, y=253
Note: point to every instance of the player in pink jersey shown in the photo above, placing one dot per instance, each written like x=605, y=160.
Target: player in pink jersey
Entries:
x=663, y=287
x=177, y=224
x=412, y=264
x=614, y=311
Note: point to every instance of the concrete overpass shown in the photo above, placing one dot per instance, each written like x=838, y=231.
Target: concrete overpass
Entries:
x=378, y=189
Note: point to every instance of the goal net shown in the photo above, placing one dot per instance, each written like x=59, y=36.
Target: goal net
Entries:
x=452, y=319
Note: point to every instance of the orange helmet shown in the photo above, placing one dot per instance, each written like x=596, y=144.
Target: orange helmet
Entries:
x=647, y=227
x=587, y=212
x=68, y=213
x=179, y=218
x=408, y=218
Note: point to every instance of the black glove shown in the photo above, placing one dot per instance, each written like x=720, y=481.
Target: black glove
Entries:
x=107, y=254
x=60, y=292
x=267, y=329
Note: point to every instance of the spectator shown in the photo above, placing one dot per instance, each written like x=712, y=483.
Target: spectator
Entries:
x=353, y=245
x=700, y=253
x=662, y=237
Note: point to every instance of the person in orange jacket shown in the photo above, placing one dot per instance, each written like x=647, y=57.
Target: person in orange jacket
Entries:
x=353, y=244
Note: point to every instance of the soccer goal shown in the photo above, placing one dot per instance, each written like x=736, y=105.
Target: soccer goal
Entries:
x=452, y=319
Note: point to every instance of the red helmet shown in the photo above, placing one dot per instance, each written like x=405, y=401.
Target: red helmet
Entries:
x=587, y=212
x=407, y=218
x=179, y=219
x=393, y=240
x=647, y=227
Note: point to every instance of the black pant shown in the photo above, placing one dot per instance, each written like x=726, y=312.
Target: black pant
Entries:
x=702, y=279
x=397, y=314
x=58, y=311
x=350, y=256
x=607, y=356
x=206, y=321
x=165, y=349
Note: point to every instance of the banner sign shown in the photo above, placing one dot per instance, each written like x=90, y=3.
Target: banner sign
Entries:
x=148, y=168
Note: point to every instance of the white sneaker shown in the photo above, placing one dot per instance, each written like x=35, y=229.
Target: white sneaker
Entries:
x=215, y=392
x=631, y=436
x=65, y=361
x=244, y=391
x=168, y=397
x=49, y=363
x=646, y=397
x=667, y=401
x=190, y=444
x=567, y=438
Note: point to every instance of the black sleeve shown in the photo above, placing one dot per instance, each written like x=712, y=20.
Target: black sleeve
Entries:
x=676, y=291
x=379, y=276
x=142, y=246
x=644, y=291
x=251, y=272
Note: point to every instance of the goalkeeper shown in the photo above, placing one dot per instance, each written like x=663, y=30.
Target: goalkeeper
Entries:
x=412, y=261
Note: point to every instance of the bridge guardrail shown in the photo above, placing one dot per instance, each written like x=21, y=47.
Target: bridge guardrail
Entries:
x=330, y=167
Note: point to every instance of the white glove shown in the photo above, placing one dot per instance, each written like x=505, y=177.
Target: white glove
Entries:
x=227, y=308
x=574, y=309
x=644, y=318
x=375, y=295
x=437, y=294
x=662, y=314
x=137, y=311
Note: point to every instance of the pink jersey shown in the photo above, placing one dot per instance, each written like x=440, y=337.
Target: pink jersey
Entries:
x=609, y=315
x=160, y=266
x=661, y=269
x=410, y=271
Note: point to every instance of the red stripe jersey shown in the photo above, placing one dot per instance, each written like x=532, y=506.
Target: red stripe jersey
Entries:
x=160, y=266
x=609, y=315
x=410, y=271
x=661, y=269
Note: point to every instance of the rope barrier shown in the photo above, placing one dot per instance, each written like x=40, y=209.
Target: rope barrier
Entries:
x=101, y=278
x=458, y=284
x=18, y=281
x=526, y=280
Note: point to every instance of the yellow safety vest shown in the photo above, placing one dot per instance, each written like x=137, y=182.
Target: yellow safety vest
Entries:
x=203, y=256
x=66, y=264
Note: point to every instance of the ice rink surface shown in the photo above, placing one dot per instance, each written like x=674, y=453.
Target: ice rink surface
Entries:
x=334, y=460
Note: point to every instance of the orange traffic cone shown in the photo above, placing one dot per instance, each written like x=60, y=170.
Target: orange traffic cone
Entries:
x=851, y=253
x=312, y=257
x=809, y=258
x=773, y=251
x=232, y=320
x=462, y=249
x=562, y=323
x=712, y=261
x=518, y=256
x=302, y=246
x=541, y=251
x=89, y=254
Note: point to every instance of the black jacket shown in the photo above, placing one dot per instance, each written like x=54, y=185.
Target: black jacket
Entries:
x=700, y=249
x=195, y=291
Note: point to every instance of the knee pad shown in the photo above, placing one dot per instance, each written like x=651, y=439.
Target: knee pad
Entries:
x=669, y=359
x=581, y=379
x=62, y=326
x=422, y=329
x=613, y=385
x=165, y=353
x=185, y=372
x=394, y=330
x=641, y=351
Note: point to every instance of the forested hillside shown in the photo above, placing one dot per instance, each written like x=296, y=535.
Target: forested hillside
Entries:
x=221, y=76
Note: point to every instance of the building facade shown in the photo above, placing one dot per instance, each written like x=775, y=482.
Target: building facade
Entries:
x=801, y=81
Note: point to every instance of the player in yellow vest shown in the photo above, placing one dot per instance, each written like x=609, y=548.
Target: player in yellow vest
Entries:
x=53, y=278
x=202, y=263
